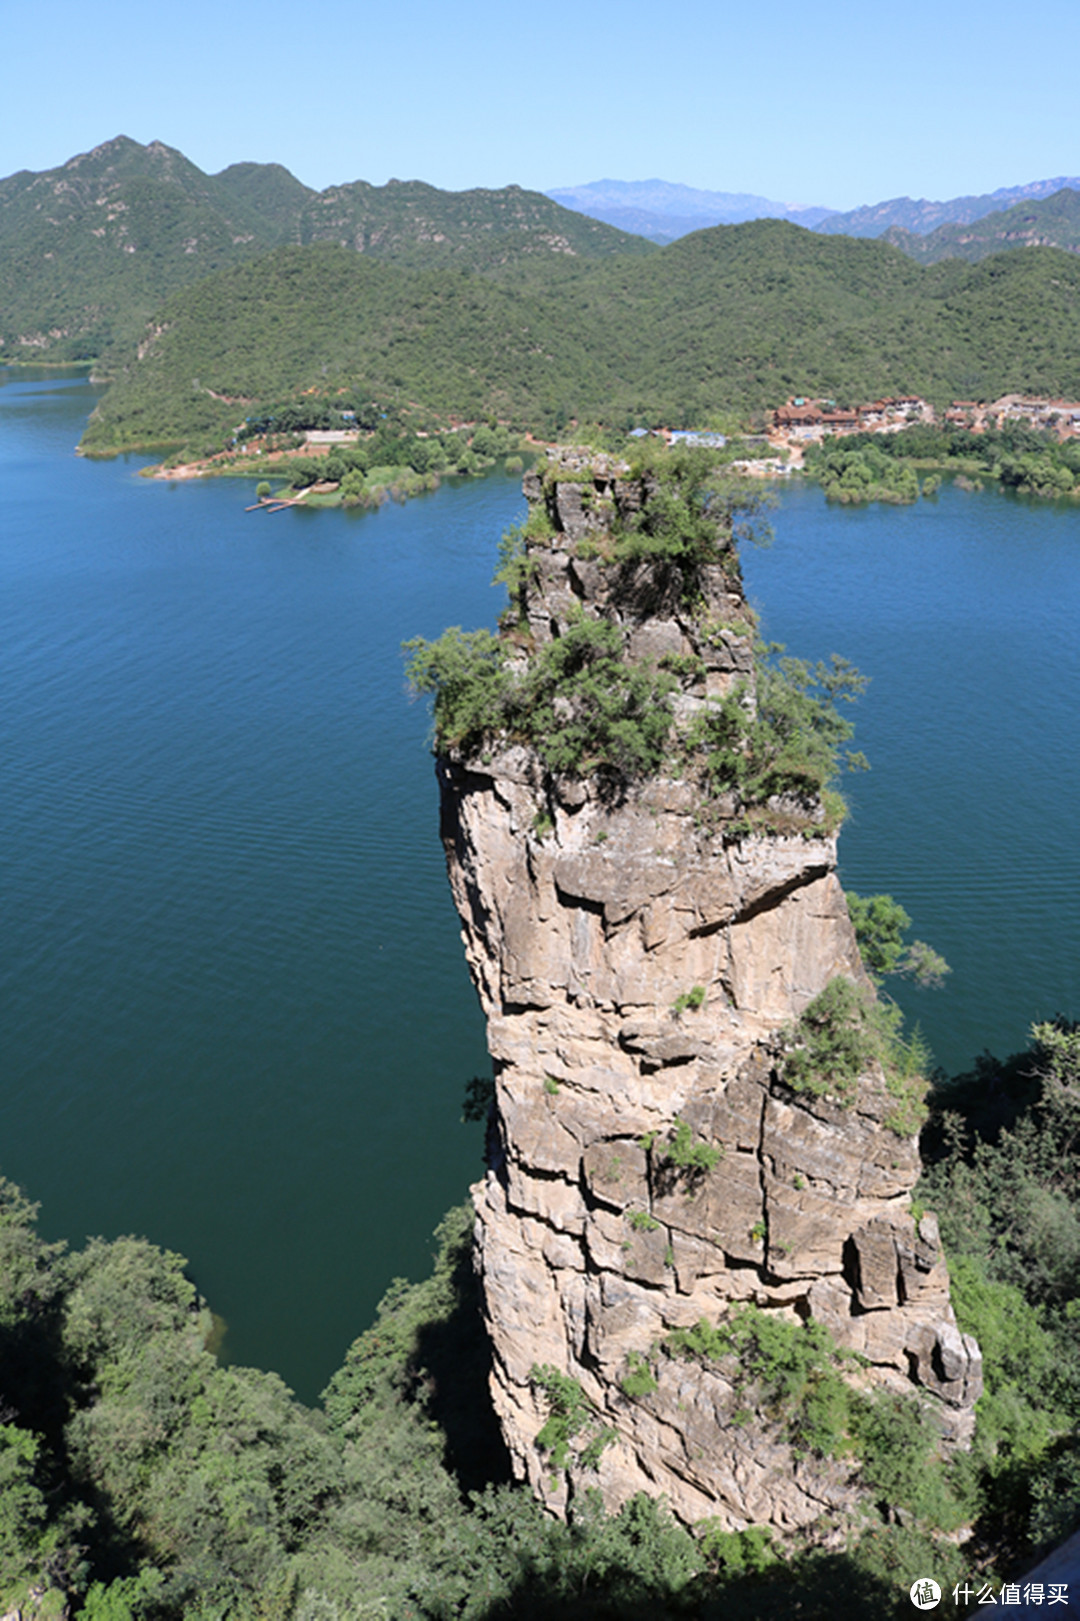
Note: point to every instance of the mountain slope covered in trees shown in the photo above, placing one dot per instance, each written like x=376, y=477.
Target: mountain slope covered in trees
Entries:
x=1050, y=222
x=729, y=320
x=89, y=250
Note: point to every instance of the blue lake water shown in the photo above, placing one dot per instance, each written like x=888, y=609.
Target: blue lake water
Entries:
x=236, y=1013
x=964, y=610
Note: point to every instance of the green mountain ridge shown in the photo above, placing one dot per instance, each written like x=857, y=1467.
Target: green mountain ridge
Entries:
x=1050, y=222
x=88, y=251
x=411, y=223
x=729, y=320
x=206, y=295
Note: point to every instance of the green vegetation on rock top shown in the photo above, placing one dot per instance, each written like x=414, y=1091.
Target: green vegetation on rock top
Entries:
x=588, y=709
x=845, y=1034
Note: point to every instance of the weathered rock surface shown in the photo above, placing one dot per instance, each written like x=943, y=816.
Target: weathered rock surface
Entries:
x=581, y=939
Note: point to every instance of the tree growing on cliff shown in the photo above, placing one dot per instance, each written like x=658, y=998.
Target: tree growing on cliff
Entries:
x=880, y=925
x=792, y=744
x=579, y=703
x=693, y=516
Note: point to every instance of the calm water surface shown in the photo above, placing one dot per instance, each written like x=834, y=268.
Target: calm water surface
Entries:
x=236, y=1013
x=965, y=612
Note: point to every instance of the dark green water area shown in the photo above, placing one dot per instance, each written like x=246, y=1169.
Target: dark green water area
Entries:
x=236, y=1014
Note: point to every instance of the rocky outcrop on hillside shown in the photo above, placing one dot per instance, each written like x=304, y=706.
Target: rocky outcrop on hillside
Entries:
x=636, y=960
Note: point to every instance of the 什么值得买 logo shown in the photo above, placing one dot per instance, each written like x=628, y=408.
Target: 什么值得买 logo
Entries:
x=925, y=1593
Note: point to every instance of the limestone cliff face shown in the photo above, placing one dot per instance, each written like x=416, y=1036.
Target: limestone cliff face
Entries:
x=586, y=916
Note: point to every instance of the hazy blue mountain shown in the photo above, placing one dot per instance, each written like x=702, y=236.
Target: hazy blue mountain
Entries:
x=662, y=210
x=921, y=217
x=1049, y=222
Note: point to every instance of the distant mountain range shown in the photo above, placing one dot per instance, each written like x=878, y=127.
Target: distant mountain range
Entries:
x=921, y=217
x=1050, y=222
x=663, y=211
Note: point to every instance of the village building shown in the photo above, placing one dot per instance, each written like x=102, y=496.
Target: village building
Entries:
x=804, y=421
x=840, y=422
x=1061, y=417
x=966, y=414
x=808, y=421
x=697, y=437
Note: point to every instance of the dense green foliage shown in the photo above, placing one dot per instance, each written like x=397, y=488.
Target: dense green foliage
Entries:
x=844, y=1034
x=790, y=747
x=872, y=467
x=1003, y=1178
x=585, y=710
x=89, y=251
x=854, y=476
x=880, y=924
x=580, y=705
x=140, y=1481
x=733, y=319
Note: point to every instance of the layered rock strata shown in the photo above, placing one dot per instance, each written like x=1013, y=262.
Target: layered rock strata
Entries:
x=589, y=918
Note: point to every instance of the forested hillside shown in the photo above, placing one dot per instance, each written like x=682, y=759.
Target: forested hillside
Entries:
x=1052, y=222
x=89, y=250
x=203, y=293
x=729, y=320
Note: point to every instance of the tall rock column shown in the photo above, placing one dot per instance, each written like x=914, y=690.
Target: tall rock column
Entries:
x=636, y=953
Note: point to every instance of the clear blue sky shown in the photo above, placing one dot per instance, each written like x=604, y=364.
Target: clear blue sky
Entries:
x=837, y=103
